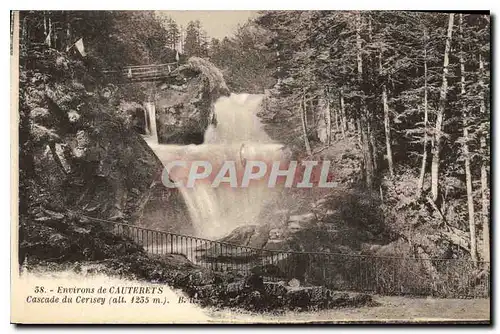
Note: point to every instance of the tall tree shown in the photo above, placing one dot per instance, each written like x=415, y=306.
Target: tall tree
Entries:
x=191, y=41
x=466, y=153
x=484, y=173
x=328, y=116
x=426, y=116
x=440, y=113
x=343, y=115
x=387, y=122
x=364, y=117
x=303, y=114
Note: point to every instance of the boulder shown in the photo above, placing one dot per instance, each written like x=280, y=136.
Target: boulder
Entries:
x=260, y=237
x=240, y=235
x=294, y=283
x=185, y=102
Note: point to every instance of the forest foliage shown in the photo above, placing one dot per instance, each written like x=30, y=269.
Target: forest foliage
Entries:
x=412, y=89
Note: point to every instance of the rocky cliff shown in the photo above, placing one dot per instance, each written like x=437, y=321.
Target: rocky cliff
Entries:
x=184, y=103
x=79, y=154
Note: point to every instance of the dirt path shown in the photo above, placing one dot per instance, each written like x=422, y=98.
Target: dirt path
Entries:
x=392, y=309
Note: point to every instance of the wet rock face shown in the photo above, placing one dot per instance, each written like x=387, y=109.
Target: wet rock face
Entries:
x=184, y=104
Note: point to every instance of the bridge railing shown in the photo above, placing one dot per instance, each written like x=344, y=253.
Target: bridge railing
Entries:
x=143, y=72
x=386, y=275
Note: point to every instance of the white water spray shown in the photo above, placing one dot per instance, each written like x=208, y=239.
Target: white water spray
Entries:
x=238, y=137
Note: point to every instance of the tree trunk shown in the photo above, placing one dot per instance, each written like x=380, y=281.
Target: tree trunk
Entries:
x=304, y=124
x=365, y=144
x=305, y=110
x=358, y=130
x=387, y=124
x=484, y=179
x=470, y=199
x=328, y=118
x=44, y=25
x=313, y=113
x=363, y=119
x=342, y=114
x=468, y=176
x=387, y=127
x=51, y=33
x=440, y=113
x=68, y=34
x=336, y=118
x=373, y=145
x=370, y=123
x=426, y=121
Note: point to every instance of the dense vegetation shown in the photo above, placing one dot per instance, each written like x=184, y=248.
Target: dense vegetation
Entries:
x=411, y=88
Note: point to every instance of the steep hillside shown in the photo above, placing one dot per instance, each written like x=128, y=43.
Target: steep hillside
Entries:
x=78, y=153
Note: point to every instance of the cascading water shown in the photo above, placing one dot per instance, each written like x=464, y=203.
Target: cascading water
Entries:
x=238, y=137
x=151, y=116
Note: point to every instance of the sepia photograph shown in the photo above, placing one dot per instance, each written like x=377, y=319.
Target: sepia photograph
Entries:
x=250, y=167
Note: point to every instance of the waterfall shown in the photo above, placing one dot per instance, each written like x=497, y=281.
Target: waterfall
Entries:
x=147, y=122
x=237, y=137
x=151, y=122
